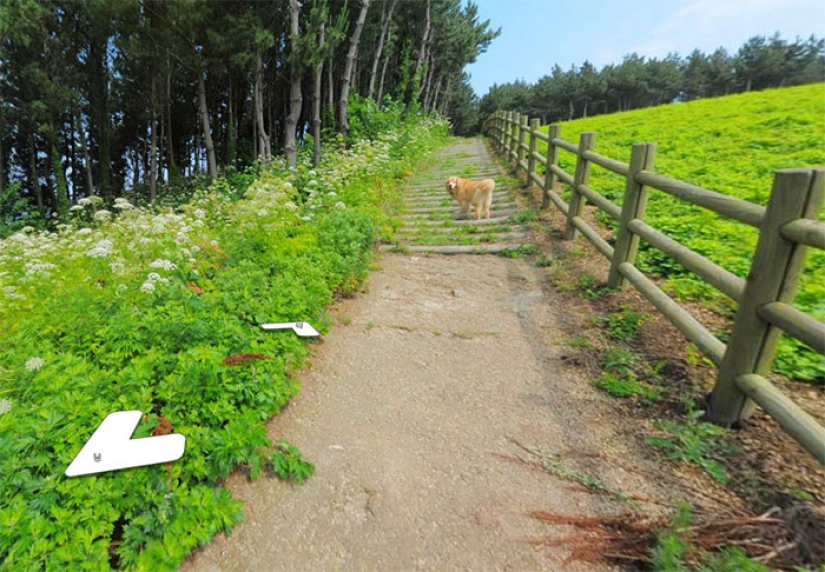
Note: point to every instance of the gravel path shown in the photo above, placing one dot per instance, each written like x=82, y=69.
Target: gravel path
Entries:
x=416, y=409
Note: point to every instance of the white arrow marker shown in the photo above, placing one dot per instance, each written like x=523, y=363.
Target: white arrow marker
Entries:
x=111, y=447
x=303, y=329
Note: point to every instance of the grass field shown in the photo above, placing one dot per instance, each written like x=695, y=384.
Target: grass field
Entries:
x=732, y=145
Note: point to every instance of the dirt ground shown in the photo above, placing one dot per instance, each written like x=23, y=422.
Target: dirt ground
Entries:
x=453, y=399
x=416, y=410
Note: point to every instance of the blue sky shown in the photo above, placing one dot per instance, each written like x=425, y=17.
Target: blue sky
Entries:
x=536, y=34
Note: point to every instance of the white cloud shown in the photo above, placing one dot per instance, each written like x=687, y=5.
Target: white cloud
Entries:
x=708, y=24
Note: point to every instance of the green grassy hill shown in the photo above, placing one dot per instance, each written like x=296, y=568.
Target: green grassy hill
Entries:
x=731, y=145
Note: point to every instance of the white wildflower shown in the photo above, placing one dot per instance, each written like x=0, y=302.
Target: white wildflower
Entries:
x=147, y=287
x=164, y=264
x=5, y=406
x=332, y=194
x=83, y=231
x=34, y=363
x=290, y=206
x=122, y=204
x=306, y=218
x=340, y=205
x=153, y=276
x=12, y=293
x=102, y=249
x=102, y=215
x=75, y=208
x=84, y=202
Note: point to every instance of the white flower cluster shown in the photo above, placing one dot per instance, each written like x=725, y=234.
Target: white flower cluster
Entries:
x=102, y=249
x=163, y=264
x=5, y=406
x=122, y=204
x=148, y=285
x=34, y=363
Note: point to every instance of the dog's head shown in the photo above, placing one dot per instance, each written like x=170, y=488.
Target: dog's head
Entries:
x=452, y=185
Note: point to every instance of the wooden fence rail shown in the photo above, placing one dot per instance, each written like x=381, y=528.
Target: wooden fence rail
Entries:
x=787, y=227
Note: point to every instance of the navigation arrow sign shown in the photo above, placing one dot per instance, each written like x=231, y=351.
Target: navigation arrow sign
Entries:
x=111, y=447
x=303, y=329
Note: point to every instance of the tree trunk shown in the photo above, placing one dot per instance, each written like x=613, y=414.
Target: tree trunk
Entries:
x=331, y=90
x=345, y=82
x=34, y=177
x=60, y=197
x=316, y=103
x=264, y=140
x=207, y=133
x=434, y=105
x=446, y=101
x=170, y=151
x=135, y=167
x=153, y=145
x=428, y=80
x=422, y=58
x=295, y=98
x=2, y=151
x=386, y=19
x=384, y=70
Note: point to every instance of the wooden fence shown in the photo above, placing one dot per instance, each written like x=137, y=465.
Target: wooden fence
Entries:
x=787, y=227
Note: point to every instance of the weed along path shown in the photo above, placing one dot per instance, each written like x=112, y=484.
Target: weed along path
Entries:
x=440, y=415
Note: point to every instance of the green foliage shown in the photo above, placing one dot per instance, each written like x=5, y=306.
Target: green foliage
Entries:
x=588, y=287
x=288, y=463
x=158, y=310
x=674, y=548
x=732, y=145
x=696, y=442
x=522, y=217
x=624, y=325
x=619, y=378
x=519, y=250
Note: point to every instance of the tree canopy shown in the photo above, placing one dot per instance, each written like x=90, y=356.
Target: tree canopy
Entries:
x=106, y=98
x=643, y=82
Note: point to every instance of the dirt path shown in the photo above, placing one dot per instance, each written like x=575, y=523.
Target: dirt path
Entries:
x=416, y=410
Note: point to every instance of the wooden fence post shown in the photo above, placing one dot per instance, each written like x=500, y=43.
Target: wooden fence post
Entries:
x=522, y=137
x=586, y=141
x=633, y=206
x=773, y=276
x=511, y=153
x=552, y=159
x=531, y=160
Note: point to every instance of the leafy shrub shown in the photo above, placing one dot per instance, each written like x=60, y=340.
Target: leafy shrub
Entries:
x=624, y=324
x=736, y=148
x=158, y=310
x=696, y=442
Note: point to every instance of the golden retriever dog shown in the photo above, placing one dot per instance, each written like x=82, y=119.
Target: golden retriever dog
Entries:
x=479, y=194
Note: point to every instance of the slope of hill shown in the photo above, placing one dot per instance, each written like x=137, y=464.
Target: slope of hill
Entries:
x=732, y=145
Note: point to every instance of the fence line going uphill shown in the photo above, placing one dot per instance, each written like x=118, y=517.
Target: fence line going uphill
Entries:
x=787, y=227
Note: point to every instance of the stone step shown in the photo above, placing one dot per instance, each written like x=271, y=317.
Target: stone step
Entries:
x=411, y=231
x=493, y=237
x=466, y=249
x=497, y=220
x=453, y=206
x=455, y=215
